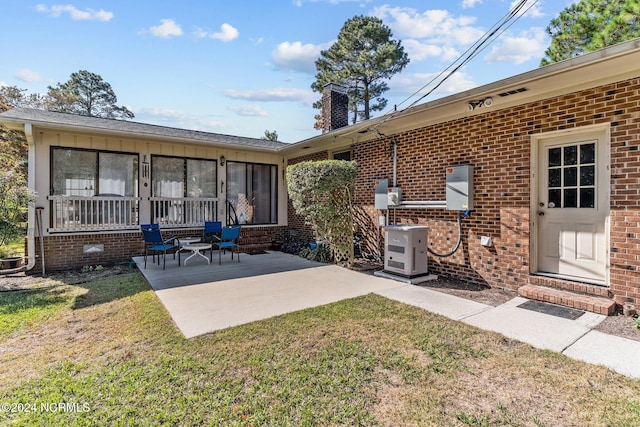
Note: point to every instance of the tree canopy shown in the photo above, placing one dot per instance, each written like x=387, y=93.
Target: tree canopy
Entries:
x=590, y=25
x=361, y=59
x=85, y=93
x=270, y=135
x=13, y=96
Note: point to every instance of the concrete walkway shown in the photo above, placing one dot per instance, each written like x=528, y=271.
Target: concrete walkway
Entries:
x=204, y=298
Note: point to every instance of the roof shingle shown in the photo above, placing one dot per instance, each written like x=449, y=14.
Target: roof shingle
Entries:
x=133, y=129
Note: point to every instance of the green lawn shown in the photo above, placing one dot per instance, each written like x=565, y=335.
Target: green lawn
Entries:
x=108, y=351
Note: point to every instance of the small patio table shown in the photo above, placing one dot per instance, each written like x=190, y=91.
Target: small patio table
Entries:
x=196, y=248
x=186, y=241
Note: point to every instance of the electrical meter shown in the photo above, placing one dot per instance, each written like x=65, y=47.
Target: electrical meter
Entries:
x=394, y=196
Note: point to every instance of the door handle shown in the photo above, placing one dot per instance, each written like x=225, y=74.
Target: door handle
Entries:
x=540, y=213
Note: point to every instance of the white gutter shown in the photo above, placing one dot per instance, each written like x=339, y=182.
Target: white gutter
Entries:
x=31, y=212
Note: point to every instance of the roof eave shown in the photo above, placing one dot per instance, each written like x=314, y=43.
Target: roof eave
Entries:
x=18, y=124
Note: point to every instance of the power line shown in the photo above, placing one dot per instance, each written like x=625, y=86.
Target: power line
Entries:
x=487, y=38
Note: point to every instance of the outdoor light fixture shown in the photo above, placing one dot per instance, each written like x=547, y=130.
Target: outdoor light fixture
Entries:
x=487, y=102
x=145, y=167
x=222, y=160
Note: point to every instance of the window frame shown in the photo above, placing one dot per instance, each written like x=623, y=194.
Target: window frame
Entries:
x=97, y=152
x=273, y=194
x=184, y=175
x=337, y=154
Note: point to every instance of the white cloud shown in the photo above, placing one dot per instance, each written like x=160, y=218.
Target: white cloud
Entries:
x=248, y=110
x=226, y=34
x=167, y=28
x=432, y=33
x=529, y=44
x=408, y=22
x=271, y=95
x=297, y=56
x=28, y=76
x=75, y=13
x=419, y=51
x=178, y=119
x=466, y=4
x=408, y=84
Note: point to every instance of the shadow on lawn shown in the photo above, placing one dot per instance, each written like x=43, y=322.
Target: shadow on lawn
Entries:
x=110, y=285
x=15, y=302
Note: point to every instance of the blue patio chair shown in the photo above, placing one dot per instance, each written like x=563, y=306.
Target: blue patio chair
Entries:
x=156, y=245
x=150, y=227
x=229, y=240
x=211, y=234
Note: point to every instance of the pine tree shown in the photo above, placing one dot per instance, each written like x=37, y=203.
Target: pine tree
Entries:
x=590, y=25
x=361, y=59
x=86, y=94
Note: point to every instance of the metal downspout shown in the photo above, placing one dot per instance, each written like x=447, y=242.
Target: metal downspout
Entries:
x=31, y=212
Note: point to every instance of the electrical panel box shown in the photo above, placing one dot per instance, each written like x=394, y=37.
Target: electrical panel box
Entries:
x=405, y=250
x=381, y=199
x=394, y=196
x=459, y=191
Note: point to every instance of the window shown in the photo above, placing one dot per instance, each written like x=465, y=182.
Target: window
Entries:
x=343, y=155
x=180, y=177
x=571, y=176
x=252, y=192
x=93, y=173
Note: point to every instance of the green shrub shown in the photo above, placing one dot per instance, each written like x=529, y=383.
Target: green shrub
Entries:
x=322, y=192
x=320, y=254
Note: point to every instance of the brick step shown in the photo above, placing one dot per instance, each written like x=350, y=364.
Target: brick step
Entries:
x=595, y=304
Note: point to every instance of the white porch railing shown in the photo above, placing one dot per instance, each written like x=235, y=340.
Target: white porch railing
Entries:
x=183, y=211
x=79, y=213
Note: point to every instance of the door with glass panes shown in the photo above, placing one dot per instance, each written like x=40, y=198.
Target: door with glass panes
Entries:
x=572, y=207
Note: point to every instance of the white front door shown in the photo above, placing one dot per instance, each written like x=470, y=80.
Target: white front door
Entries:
x=572, y=206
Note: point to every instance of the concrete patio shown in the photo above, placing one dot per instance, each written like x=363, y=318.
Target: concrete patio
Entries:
x=204, y=298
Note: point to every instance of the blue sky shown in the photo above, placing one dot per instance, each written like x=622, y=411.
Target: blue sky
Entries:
x=243, y=67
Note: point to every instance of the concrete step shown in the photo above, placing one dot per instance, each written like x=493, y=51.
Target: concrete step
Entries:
x=594, y=304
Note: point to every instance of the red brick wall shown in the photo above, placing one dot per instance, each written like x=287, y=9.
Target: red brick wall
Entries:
x=498, y=144
x=66, y=252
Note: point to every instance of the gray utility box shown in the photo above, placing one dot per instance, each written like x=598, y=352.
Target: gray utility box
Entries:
x=405, y=251
x=459, y=188
x=381, y=199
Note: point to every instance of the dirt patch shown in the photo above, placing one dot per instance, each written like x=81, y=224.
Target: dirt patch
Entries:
x=23, y=281
x=479, y=293
x=621, y=326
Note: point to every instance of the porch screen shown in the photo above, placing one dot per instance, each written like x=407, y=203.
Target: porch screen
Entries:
x=252, y=191
x=93, y=173
x=180, y=177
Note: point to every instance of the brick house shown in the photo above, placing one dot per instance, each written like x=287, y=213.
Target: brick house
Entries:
x=556, y=165
x=554, y=157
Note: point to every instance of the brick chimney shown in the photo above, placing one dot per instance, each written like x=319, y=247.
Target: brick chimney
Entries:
x=335, y=107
